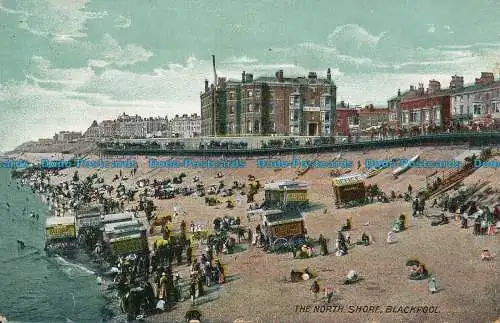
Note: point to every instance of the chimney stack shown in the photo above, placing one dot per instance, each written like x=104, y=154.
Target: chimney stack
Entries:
x=434, y=87
x=328, y=75
x=279, y=75
x=206, y=85
x=243, y=77
x=421, y=89
x=457, y=82
x=485, y=79
x=248, y=78
x=312, y=76
x=399, y=92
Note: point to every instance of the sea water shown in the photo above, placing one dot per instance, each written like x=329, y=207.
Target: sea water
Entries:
x=34, y=287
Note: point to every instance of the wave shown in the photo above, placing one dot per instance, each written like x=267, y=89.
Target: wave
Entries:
x=69, y=268
x=24, y=256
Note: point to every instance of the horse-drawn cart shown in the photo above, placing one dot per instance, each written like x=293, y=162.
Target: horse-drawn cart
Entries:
x=284, y=228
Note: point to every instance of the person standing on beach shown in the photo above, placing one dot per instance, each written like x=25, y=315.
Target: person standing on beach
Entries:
x=189, y=253
x=315, y=289
x=192, y=290
x=410, y=189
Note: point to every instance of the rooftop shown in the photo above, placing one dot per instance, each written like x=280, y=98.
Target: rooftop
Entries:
x=349, y=179
x=291, y=214
x=52, y=221
x=281, y=185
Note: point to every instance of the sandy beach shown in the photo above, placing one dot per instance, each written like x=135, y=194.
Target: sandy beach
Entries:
x=256, y=290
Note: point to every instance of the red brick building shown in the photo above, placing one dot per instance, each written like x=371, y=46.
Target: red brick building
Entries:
x=297, y=106
x=425, y=108
x=346, y=118
x=370, y=116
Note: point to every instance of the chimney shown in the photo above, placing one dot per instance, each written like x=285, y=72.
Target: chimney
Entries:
x=399, y=92
x=434, y=87
x=485, y=79
x=329, y=75
x=243, y=77
x=421, y=89
x=206, y=85
x=248, y=78
x=412, y=88
x=342, y=104
x=279, y=76
x=312, y=76
x=457, y=82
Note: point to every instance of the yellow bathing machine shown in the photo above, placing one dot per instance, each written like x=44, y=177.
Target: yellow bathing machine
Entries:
x=286, y=193
x=125, y=237
x=60, y=232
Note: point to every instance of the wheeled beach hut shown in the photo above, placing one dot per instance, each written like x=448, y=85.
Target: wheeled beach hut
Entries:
x=284, y=226
x=349, y=189
x=60, y=233
x=282, y=193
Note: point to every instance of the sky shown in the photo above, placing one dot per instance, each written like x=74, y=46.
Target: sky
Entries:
x=65, y=63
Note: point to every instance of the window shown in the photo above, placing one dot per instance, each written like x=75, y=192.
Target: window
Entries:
x=427, y=116
x=477, y=109
x=231, y=109
x=272, y=107
x=256, y=126
x=250, y=107
x=231, y=95
x=249, y=126
x=327, y=116
x=250, y=94
x=325, y=101
x=437, y=115
x=461, y=109
x=405, y=117
x=497, y=109
x=461, y=98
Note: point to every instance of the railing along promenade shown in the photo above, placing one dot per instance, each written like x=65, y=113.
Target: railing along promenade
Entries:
x=483, y=138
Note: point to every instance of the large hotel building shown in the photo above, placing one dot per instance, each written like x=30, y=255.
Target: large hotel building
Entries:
x=278, y=105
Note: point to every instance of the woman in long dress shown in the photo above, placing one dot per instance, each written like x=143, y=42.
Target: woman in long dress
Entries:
x=390, y=237
x=433, y=285
x=222, y=276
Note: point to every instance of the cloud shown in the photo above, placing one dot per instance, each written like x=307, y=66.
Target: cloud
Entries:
x=109, y=50
x=54, y=19
x=240, y=60
x=354, y=34
x=122, y=22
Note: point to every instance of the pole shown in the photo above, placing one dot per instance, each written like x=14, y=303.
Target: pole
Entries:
x=214, y=114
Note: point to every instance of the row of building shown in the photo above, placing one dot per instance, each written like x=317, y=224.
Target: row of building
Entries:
x=459, y=105
x=303, y=106
x=131, y=127
x=307, y=106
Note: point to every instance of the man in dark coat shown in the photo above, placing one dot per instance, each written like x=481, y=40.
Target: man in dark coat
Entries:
x=178, y=253
x=315, y=289
x=189, y=254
